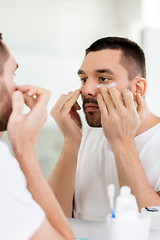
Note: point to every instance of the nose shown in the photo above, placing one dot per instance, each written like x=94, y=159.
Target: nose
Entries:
x=90, y=88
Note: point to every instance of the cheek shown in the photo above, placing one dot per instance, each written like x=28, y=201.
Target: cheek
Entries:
x=11, y=87
x=123, y=84
x=82, y=97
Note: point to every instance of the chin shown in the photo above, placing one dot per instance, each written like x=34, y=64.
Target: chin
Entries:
x=93, y=120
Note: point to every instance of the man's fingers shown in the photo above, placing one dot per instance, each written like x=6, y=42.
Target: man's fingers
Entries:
x=141, y=105
x=29, y=101
x=63, y=105
x=76, y=106
x=30, y=90
x=70, y=103
x=61, y=101
x=37, y=100
x=36, y=92
x=41, y=97
x=102, y=105
x=140, y=101
x=107, y=99
x=128, y=99
x=116, y=97
x=17, y=103
x=23, y=88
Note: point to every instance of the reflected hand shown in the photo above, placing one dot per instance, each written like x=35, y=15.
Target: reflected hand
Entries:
x=119, y=117
x=66, y=116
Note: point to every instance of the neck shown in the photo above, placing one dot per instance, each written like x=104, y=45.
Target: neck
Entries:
x=149, y=121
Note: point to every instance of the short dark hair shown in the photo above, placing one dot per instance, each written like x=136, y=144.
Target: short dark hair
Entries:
x=4, y=54
x=133, y=58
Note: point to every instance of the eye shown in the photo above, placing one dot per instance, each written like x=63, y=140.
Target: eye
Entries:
x=83, y=80
x=104, y=79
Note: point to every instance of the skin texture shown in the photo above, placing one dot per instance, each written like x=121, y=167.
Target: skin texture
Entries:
x=23, y=131
x=122, y=113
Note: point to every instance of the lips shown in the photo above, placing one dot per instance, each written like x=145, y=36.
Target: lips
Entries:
x=90, y=107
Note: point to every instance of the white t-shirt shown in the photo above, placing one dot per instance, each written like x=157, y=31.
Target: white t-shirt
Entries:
x=20, y=215
x=96, y=169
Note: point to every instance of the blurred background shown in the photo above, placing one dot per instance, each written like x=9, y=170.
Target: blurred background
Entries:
x=48, y=39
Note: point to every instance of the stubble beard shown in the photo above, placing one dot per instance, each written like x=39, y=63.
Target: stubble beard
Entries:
x=5, y=107
x=93, y=118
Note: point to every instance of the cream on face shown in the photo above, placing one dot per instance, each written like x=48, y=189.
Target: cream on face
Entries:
x=113, y=84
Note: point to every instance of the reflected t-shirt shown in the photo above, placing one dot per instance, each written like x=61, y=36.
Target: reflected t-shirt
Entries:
x=96, y=169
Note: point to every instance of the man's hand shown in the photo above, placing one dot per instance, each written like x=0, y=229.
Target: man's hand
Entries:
x=119, y=117
x=24, y=129
x=65, y=114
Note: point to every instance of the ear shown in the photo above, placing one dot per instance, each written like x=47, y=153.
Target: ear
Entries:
x=139, y=86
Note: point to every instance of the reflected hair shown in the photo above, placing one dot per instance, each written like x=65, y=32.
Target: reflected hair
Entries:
x=4, y=54
x=132, y=55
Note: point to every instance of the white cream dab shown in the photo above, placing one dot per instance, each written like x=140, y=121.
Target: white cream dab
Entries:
x=113, y=84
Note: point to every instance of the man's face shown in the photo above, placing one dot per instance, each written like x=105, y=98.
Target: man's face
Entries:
x=100, y=67
x=7, y=87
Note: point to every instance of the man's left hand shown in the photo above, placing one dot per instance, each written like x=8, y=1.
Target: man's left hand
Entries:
x=120, y=117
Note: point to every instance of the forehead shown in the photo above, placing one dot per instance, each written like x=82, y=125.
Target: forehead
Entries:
x=101, y=59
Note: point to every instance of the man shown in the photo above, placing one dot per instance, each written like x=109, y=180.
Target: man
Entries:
x=28, y=207
x=125, y=151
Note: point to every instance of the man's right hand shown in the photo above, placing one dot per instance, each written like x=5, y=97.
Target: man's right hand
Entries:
x=24, y=129
x=65, y=114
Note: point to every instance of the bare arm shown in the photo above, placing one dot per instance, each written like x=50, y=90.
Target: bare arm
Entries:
x=23, y=131
x=62, y=179
x=120, y=121
x=131, y=173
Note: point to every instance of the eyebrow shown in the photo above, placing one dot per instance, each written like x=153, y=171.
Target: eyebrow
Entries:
x=80, y=72
x=103, y=70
